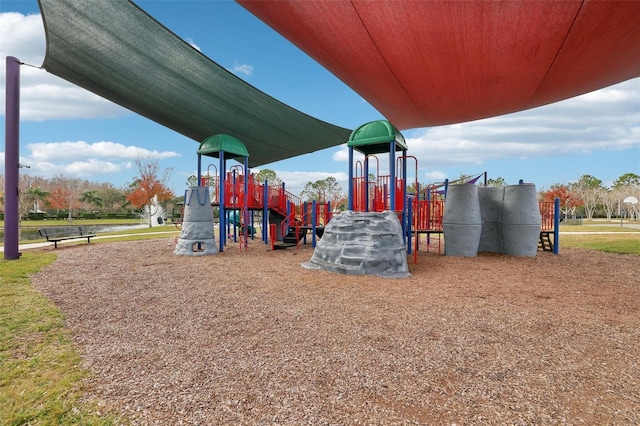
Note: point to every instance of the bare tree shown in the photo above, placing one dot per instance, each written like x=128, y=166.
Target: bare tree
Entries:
x=322, y=190
x=610, y=201
x=589, y=189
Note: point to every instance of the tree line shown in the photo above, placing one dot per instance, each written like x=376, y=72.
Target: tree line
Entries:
x=68, y=197
x=64, y=197
x=589, y=198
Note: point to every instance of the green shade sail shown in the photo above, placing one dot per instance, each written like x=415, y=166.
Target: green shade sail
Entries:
x=116, y=50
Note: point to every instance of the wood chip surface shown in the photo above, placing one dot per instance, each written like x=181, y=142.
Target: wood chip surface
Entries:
x=253, y=338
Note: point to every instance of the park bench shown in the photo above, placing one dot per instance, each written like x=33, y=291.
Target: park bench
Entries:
x=58, y=233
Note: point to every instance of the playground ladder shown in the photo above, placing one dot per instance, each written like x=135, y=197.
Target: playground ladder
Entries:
x=545, y=243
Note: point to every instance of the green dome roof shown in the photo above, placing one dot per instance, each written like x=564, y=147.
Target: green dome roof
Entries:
x=231, y=146
x=375, y=138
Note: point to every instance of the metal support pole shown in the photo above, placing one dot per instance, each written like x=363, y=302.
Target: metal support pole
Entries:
x=12, y=160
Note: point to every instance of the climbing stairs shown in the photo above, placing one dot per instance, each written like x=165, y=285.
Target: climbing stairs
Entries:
x=545, y=243
x=291, y=239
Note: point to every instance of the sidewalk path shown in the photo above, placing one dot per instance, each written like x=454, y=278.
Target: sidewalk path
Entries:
x=47, y=244
x=599, y=233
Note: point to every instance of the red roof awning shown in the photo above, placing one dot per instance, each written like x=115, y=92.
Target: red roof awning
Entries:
x=427, y=63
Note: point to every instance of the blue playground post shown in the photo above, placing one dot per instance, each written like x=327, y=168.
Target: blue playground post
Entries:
x=392, y=174
x=199, y=175
x=556, y=226
x=248, y=227
x=408, y=224
x=221, y=209
x=314, y=217
x=265, y=212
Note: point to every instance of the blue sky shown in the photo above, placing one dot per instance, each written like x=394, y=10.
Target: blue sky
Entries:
x=67, y=131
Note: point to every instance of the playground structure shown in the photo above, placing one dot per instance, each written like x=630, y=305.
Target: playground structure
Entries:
x=284, y=219
x=422, y=211
x=244, y=203
x=238, y=195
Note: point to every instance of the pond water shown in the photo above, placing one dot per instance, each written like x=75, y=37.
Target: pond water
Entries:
x=27, y=234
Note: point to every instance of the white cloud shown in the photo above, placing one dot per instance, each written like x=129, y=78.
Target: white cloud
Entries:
x=23, y=37
x=433, y=176
x=605, y=119
x=296, y=181
x=242, y=69
x=44, y=96
x=193, y=44
x=57, y=151
x=341, y=155
x=85, y=160
x=89, y=167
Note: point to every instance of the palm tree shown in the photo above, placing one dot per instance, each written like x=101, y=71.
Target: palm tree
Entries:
x=34, y=195
x=92, y=198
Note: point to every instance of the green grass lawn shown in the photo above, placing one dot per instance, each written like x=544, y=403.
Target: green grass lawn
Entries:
x=621, y=243
x=40, y=370
x=624, y=240
x=598, y=227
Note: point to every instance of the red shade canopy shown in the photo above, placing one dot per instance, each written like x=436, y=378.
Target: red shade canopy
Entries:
x=426, y=63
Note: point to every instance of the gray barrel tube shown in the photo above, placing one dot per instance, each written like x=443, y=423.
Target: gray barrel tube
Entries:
x=520, y=222
x=491, y=198
x=462, y=221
